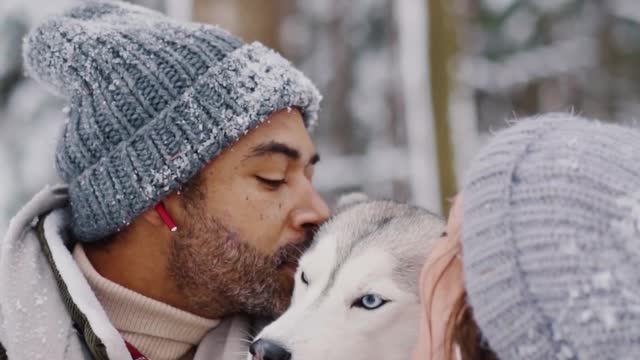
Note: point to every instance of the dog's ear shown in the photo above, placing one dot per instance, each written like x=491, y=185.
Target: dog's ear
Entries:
x=348, y=200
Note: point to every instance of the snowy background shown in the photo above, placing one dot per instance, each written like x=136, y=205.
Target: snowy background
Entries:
x=412, y=87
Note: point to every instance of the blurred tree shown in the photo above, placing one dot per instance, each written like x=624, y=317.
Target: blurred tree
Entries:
x=251, y=20
x=442, y=46
x=349, y=49
x=29, y=120
x=528, y=56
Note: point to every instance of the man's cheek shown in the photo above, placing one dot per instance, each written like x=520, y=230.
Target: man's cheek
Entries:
x=263, y=244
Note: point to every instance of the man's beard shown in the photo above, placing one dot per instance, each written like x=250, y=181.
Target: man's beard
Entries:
x=220, y=274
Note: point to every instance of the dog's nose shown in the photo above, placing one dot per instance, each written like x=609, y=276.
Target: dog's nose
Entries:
x=267, y=350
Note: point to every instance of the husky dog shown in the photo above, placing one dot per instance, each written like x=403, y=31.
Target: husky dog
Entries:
x=356, y=288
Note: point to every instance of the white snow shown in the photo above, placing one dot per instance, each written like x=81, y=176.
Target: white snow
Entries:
x=626, y=9
x=567, y=56
x=602, y=280
x=180, y=9
x=379, y=165
x=34, y=10
x=498, y=6
x=520, y=26
x=629, y=225
x=549, y=6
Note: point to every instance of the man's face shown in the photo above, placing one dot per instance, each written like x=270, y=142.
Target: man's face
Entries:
x=247, y=220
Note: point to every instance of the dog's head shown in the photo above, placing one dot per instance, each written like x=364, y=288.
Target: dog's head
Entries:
x=356, y=289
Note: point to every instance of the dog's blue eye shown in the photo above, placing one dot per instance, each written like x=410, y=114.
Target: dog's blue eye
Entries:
x=304, y=279
x=370, y=302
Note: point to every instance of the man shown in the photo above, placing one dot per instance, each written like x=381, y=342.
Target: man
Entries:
x=188, y=166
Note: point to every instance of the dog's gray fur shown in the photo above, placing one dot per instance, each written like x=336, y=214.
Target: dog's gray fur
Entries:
x=379, y=223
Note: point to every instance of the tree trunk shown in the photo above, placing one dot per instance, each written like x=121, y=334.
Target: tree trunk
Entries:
x=441, y=51
x=249, y=19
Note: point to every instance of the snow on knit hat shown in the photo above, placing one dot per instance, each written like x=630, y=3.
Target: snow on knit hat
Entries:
x=151, y=101
x=551, y=240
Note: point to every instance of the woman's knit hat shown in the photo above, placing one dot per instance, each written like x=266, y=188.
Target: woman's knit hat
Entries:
x=151, y=101
x=551, y=240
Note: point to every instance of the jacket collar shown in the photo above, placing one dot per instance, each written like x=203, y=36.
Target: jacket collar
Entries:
x=38, y=235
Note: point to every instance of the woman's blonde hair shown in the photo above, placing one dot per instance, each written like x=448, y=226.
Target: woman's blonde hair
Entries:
x=461, y=329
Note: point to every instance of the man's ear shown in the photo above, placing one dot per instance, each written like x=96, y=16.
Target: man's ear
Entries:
x=151, y=216
x=348, y=200
x=167, y=213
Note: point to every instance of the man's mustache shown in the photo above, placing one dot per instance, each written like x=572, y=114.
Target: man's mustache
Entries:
x=293, y=252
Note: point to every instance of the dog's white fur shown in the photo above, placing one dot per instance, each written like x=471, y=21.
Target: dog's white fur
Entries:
x=369, y=247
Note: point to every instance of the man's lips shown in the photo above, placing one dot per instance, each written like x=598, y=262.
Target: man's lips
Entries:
x=289, y=267
x=287, y=259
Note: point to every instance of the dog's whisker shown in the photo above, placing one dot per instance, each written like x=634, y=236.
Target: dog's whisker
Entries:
x=302, y=249
x=243, y=354
x=248, y=334
x=301, y=341
x=232, y=340
x=247, y=339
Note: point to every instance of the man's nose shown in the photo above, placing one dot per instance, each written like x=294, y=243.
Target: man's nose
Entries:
x=311, y=212
x=268, y=350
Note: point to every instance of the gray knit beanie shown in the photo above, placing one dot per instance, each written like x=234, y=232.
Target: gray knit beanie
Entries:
x=551, y=240
x=151, y=101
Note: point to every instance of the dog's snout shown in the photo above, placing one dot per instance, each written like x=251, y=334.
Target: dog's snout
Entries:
x=267, y=350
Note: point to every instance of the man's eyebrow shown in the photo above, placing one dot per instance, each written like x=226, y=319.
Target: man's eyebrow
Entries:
x=274, y=147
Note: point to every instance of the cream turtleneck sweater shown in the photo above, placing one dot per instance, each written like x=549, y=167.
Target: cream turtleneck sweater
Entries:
x=157, y=330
